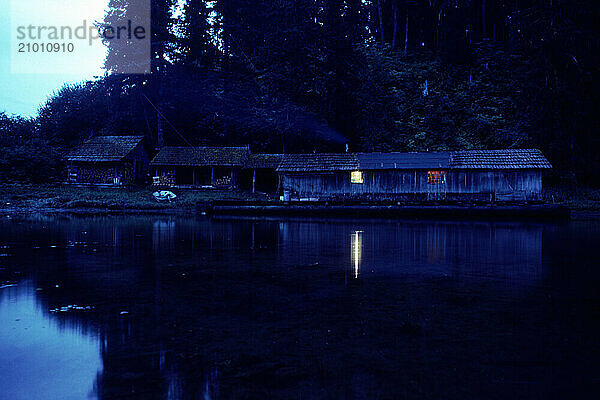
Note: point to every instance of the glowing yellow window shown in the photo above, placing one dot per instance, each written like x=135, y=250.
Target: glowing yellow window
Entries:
x=436, y=177
x=356, y=177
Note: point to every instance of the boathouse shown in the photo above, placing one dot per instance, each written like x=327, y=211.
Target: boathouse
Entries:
x=108, y=161
x=189, y=167
x=476, y=175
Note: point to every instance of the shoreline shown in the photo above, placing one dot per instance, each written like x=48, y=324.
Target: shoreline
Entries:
x=95, y=211
x=441, y=212
x=422, y=211
x=57, y=199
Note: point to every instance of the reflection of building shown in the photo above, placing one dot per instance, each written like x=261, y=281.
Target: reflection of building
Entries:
x=207, y=297
x=485, y=174
x=163, y=236
x=503, y=252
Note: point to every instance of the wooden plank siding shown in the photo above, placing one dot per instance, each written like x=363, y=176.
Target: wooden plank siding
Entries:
x=183, y=177
x=511, y=174
x=390, y=184
x=522, y=182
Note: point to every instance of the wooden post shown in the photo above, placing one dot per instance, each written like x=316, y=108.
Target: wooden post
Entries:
x=253, y=183
x=212, y=175
x=380, y=15
x=493, y=182
x=406, y=35
x=395, y=7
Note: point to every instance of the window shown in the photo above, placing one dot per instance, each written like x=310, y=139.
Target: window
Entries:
x=356, y=177
x=436, y=177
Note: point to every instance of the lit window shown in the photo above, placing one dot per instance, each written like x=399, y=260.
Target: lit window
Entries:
x=356, y=177
x=436, y=177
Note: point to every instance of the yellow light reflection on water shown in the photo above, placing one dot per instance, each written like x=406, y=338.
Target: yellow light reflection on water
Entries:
x=356, y=251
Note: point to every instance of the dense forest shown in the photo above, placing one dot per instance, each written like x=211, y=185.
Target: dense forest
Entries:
x=315, y=75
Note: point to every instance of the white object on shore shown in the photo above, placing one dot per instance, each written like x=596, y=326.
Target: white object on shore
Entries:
x=7, y=285
x=164, y=195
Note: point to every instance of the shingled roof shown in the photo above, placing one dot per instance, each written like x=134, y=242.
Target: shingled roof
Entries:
x=371, y=161
x=475, y=159
x=202, y=156
x=105, y=149
x=264, y=161
x=362, y=161
x=318, y=162
x=499, y=159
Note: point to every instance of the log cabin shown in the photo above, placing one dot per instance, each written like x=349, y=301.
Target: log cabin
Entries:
x=108, y=161
x=514, y=174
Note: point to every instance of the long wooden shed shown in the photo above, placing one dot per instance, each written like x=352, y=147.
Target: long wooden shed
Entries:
x=473, y=174
x=199, y=166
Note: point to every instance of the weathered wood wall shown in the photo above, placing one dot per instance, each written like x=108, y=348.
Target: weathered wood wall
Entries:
x=97, y=173
x=140, y=163
x=525, y=184
x=133, y=168
x=187, y=176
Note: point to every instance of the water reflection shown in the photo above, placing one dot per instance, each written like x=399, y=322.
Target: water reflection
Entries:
x=163, y=236
x=193, y=308
x=356, y=251
x=44, y=357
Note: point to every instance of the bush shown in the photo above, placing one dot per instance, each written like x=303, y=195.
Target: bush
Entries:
x=32, y=161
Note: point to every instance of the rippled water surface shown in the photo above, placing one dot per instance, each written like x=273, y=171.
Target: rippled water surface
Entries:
x=186, y=308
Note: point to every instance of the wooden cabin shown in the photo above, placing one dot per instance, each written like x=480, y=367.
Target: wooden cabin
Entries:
x=472, y=175
x=108, y=161
x=190, y=167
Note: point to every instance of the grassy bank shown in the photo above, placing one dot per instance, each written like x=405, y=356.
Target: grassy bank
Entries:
x=65, y=197
x=577, y=199
x=47, y=196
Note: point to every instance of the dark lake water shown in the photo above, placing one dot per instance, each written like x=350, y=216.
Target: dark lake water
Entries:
x=186, y=308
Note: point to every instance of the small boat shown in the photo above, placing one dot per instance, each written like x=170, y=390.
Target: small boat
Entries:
x=164, y=195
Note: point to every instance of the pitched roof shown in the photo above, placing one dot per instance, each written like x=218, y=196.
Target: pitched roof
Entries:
x=371, y=161
x=201, y=156
x=362, y=161
x=499, y=159
x=105, y=148
x=474, y=159
x=318, y=162
x=258, y=161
